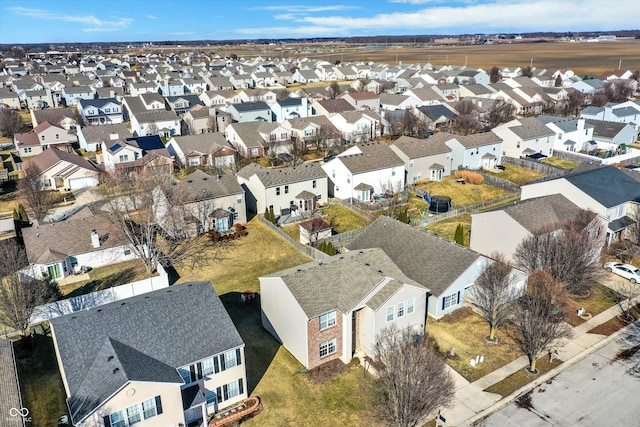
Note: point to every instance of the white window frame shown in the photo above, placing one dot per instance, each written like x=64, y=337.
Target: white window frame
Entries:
x=208, y=366
x=152, y=403
x=327, y=320
x=391, y=313
x=328, y=347
x=451, y=300
x=411, y=304
x=117, y=419
x=400, y=310
x=233, y=390
x=230, y=359
x=133, y=412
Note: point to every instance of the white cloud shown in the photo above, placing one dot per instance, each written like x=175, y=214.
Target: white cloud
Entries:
x=152, y=17
x=94, y=23
x=291, y=32
x=304, y=8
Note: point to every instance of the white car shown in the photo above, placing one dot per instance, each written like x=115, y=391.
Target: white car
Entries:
x=627, y=271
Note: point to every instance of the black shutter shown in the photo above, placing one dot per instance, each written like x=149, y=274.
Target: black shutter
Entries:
x=222, y=367
x=458, y=298
x=107, y=421
x=192, y=370
x=216, y=367
x=199, y=369
x=443, y=300
x=238, y=358
x=219, y=394
x=225, y=392
x=158, y=405
x=240, y=386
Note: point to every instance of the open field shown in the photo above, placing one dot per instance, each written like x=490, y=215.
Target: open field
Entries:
x=580, y=57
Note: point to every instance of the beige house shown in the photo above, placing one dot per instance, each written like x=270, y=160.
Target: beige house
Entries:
x=44, y=136
x=428, y=159
x=60, y=170
x=162, y=372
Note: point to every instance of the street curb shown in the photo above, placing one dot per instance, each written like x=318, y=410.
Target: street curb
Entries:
x=542, y=379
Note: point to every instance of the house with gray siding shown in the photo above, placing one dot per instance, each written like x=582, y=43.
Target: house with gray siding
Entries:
x=424, y=159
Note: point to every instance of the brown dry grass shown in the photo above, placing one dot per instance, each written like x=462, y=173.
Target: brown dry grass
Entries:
x=519, y=379
x=463, y=195
x=599, y=300
x=615, y=324
x=516, y=174
x=465, y=331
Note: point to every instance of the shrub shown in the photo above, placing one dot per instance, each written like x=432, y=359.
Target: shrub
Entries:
x=470, y=177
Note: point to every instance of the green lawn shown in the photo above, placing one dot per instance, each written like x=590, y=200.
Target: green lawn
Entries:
x=343, y=219
x=40, y=381
x=446, y=228
x=288, y=396
x=107, y=277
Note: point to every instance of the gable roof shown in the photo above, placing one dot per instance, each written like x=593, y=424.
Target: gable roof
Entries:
x=426, y=258
x=49, y=158
x=250, y=106
x=534, y=214
x=415, y=147
x=373, y=156
x=606, y=129
x=92, y=343
x=281, y=176
x=336, y=105
x=203, y=143
x=608, y=185
x=529, y=128
x=339, y=282
x=202, y=186
x=103, y=133
x=434, y=112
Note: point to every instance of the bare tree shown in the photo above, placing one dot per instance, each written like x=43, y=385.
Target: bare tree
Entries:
x=500, y=112
x=466, y=121
x=575, y=102
x=537, y=324
x=570, y=252
x=20, y=294
x=212, y=124
x=334, y=89
x=494, y=293
x=413, y=380
x=152, y=129
x=625, y=295
x=133, y=204
x=527, y=71
x=618, y=91
x=36, y=197
x=494, y=75
x=10, y=122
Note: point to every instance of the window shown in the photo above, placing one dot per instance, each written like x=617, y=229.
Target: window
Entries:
x=127, y=251
x=123, y=158
x=42, y=138
x=232, y=389
x=286, y=189
x=277, y=191
x=230, y=359
x=393, y=171
x=239, y=199
x=327, y=320
x=151, y=407
x=400, y=312
x=333, y=173
x=327, y=348
x=57, y=136
x=133, y=414
x=207, y=366
x=450, y=300
x=518, y=144
x=117, y=419
x=313, y=183
x=348, y=179
x=411, y=163
x=283, y=136
x=411, y=305
x=27, y=149
x=194, y=161
x=185, y=374
x=390, y=314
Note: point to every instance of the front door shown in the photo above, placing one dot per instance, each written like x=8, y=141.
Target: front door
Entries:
x=223, y=224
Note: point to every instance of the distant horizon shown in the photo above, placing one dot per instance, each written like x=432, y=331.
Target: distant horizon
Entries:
x=139, y=21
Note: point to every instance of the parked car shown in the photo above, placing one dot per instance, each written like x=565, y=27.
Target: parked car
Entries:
x=627, y=271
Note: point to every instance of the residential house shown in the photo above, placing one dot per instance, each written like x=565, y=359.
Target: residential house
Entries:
x=475, y=151
x=100, y=111
x=9, y=99
x=625, y=112
x=571, y=134
x=333, y=309
x=182, y=104
x=526, y=137
x=201, y=203
x=424, y=159
x=259, y=138
x=38, y=99
x=72, y=94
x=313, y=132
x=139, y=152
x=290, y=108
x=437, y=115
x=305, y=76
x=155, y=122
x=357, y=126
x=65, y=118
x=44, y=136
x=588, y=86
x=362, y=100
x=612, y=136
x=330, y=106
x=118, y=375
x=294, y=190
x=220, y=97
x=609, y=191
x=364, y=170
x=58, y=249
x=392, y=102
x=502, y=229
x=250, y=112
x=449, y=269
x=206, y=149
x=90, y=138
x=61, y=170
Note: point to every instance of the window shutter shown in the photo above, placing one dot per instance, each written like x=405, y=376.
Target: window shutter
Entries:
x=199, y=370
x=107, y=421
x=443, y=300
x=192, y=370
x=458, y=298
x=240, y=386
x=238, y=357
x=219, y=394
x=222, y=364
x=216, y=367
x=225, y=392
x=158, y=405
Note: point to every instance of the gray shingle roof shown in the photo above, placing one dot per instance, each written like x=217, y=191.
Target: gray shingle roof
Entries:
x=103, y=132
x=203, y=143
x=374, y=156
x=531, y=127
x=608, y=185
x=288, y=175
x=415, y=147
x=428, y=259
x=201, y=186
x=534, y=214
x=606, y=129
x=92, y=343
x=339, y=282
x=565, y=124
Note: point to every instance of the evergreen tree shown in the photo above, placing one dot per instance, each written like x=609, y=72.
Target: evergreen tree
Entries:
x=272, y=215
x=266, y=214
x=23, y=213
x=16, y=217
x=459, y=235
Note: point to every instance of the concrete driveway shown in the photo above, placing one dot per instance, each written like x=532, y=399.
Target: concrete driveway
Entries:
x=597, y=391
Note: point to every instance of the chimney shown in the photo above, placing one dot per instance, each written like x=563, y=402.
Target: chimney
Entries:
x=95, y=239
x=113, y=136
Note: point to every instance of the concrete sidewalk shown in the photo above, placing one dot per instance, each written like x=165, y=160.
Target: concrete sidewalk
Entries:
x=472, y=403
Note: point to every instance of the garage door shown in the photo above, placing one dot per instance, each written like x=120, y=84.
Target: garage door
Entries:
x=76, y=183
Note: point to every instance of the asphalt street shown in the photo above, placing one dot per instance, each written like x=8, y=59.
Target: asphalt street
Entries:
x=596, y=391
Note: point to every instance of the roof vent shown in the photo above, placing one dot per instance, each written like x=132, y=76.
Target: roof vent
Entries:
x=109, y=359
x=123, y=303
x=116, y=370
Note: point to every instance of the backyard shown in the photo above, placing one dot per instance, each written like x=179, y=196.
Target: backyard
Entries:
x=106, y=277
x=516, y=174
x=461, y=195
x=341, y=219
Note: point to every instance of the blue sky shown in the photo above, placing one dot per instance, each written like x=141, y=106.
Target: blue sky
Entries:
x=53, y=21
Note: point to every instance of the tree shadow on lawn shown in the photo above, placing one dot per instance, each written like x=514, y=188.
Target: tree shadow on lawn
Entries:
x=261, y=346
x=120, y=278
